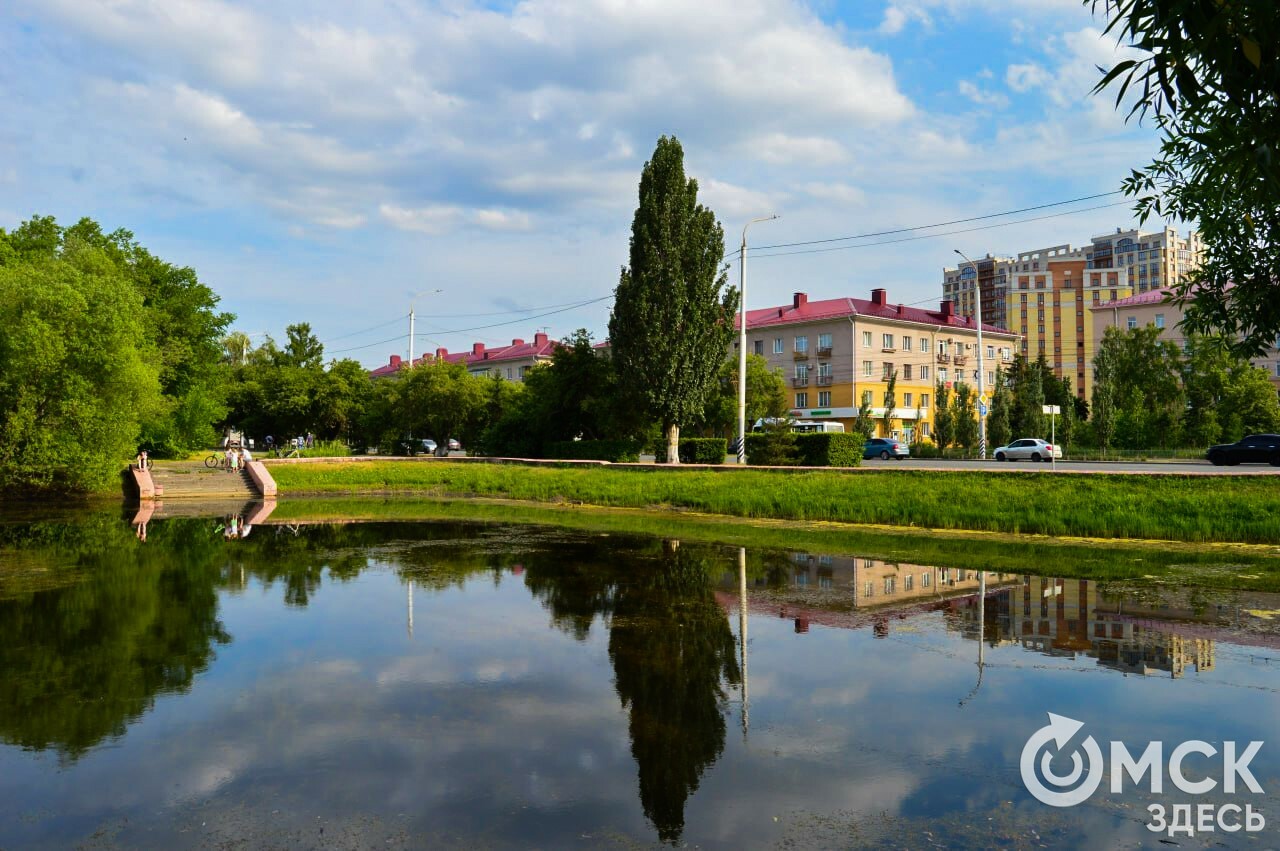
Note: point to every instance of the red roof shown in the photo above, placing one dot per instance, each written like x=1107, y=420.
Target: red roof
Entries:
x=1149, y=297
x=803, y=310
x=541, y=347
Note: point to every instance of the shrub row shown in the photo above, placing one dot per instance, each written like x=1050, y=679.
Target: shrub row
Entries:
x=595, y=450
x=784, y=449
x=698, y=450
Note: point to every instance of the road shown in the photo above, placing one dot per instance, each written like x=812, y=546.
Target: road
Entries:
x=1175, y=467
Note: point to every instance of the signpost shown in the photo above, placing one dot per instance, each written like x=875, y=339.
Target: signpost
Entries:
x=1053, y=411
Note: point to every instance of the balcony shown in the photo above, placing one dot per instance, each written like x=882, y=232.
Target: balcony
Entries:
x=824, y=351
x=961, y=360
x=825, y=380
x=944, y=358
x=800, y=382
x=889, y=349
x=802, y=355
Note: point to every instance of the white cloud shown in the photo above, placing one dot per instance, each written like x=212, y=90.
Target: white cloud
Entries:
x=841, y=193
x=1024, y=78
x=442, y=218
x=782, y=149
x=733, y=201
x=981, y=96
x=898, y=15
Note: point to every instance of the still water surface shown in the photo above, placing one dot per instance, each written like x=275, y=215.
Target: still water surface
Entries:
x=443, y=684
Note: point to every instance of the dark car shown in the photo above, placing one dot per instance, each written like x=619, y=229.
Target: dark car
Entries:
x=1254, y=449
x=886, y=448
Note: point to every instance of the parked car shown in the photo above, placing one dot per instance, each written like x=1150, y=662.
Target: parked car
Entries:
x=886, y=448
x=454, y=445
x=1032, y=448
x=1253, y=449
x=416, y=446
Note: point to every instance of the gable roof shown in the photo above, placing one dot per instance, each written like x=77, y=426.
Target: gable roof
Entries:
x=803, y=310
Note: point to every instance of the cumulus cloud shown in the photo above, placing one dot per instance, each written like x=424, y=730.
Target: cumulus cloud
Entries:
x=442, y=218
x=981, y=96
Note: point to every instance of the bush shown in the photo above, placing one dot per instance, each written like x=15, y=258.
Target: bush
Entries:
x=827, y=449
x=925, y=450
x=698, y=450
x=772, y=448
x=325, y=449
x=595, y=450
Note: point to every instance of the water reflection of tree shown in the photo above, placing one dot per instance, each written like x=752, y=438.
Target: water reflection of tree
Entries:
x=672, y=652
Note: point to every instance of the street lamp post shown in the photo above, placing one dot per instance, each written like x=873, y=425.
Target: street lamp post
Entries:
x=742, y=341
x=977, y=320
x=413, y=296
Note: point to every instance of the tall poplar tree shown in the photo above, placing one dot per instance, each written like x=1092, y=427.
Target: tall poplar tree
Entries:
x=672, y=316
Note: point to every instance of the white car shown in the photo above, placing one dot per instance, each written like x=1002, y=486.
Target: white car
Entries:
x=1030, y=447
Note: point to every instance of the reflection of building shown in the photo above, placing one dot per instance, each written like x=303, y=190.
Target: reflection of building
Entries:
x=1070, y=617
x=849, y=592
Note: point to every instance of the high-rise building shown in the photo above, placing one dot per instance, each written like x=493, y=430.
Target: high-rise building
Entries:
x=1043, y=295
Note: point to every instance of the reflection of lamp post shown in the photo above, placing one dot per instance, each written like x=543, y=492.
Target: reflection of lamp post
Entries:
x=982, y=622
x=977, y=320
x=742, y=629
x=411, y=608
x=742, y=341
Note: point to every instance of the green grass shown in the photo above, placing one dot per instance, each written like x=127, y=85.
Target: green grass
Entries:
x=1182, y=508
x=1254, y=568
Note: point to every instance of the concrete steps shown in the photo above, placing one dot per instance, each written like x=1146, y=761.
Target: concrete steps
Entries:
x=192, y=480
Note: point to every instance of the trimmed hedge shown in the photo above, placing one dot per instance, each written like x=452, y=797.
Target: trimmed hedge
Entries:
x=772, y=449
x=594, y=450
x=698, y=450
x=829, y=449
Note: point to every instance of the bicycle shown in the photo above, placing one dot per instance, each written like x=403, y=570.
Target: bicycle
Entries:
x=215, y=460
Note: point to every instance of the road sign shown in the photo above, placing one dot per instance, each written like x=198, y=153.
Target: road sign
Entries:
x=1052, y=409
x=982, y=409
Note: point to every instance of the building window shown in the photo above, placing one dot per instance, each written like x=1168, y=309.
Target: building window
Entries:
x=1131, y=322
x=759, y=347
x=924, y=373
x=868, y=590
x=1160, y=320
x=824, y=341
x=824, y=398
x=991, y=379
x=908, y=582
x=802, y=400
x=906, y=344
x=942, y=347
x=508, y=373
x=925, y=427
x=802, y=371
x=866, y=339
x=889, y=582
x=888, y=370
x=866, y=394
x=777, y=345
x=802, y=343
x=991, y=352
x=924, y=345
x=524, y=370
x=866, y=368
x=942, y=374
x=906, y=399
x=924, y=401
x=926, y=579
x=906, y=372
x=888, y=341
x=824, y=370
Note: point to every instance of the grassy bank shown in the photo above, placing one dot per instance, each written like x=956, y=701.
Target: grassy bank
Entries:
x=1182, y=508
x=1227, y=566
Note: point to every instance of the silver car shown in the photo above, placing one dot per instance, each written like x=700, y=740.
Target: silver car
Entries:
x=1028, y=448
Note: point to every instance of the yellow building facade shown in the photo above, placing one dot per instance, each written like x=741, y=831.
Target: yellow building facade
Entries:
x=834, y=352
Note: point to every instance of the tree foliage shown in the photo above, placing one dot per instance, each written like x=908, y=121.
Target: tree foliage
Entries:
x=672, y=317
x=890, y=403
x=1209, y=75
x=944, y=431
x=964, y=416
x=999, y=431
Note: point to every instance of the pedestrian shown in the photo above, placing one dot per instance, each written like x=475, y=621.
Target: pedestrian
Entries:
x=142, y=459
x=311, y=440
x=231, y=459
x=245, y=456
x=270, y=443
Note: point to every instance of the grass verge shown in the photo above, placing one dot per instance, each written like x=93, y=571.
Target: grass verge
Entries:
x=1179, y=508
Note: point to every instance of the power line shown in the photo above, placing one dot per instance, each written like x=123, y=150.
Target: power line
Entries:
x=367, y=345
x=515, y=321
x=943, y=233
x=944, y=224
x=365, y=330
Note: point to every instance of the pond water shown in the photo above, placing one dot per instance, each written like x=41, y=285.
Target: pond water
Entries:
x=441, y=684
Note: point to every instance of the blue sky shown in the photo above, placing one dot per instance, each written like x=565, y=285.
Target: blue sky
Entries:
x=322, y=162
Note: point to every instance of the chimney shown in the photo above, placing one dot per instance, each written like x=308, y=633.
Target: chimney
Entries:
x=442, y=353
x=901, y=308
x=799, y=300
x=517, y=342
x=948, y=309
x=477, y=350
x=539, y=339
x=879, y=297
x=395, y=360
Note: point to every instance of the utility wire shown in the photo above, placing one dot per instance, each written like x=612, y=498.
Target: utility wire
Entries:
x=942, y=233
x=514, y=321
x=365, y=331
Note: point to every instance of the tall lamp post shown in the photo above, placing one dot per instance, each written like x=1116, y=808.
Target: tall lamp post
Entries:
x=982, y=398
x=742, y=341
x=413, y=296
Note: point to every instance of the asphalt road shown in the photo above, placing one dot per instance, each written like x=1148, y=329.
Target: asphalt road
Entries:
x=1176, y=467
